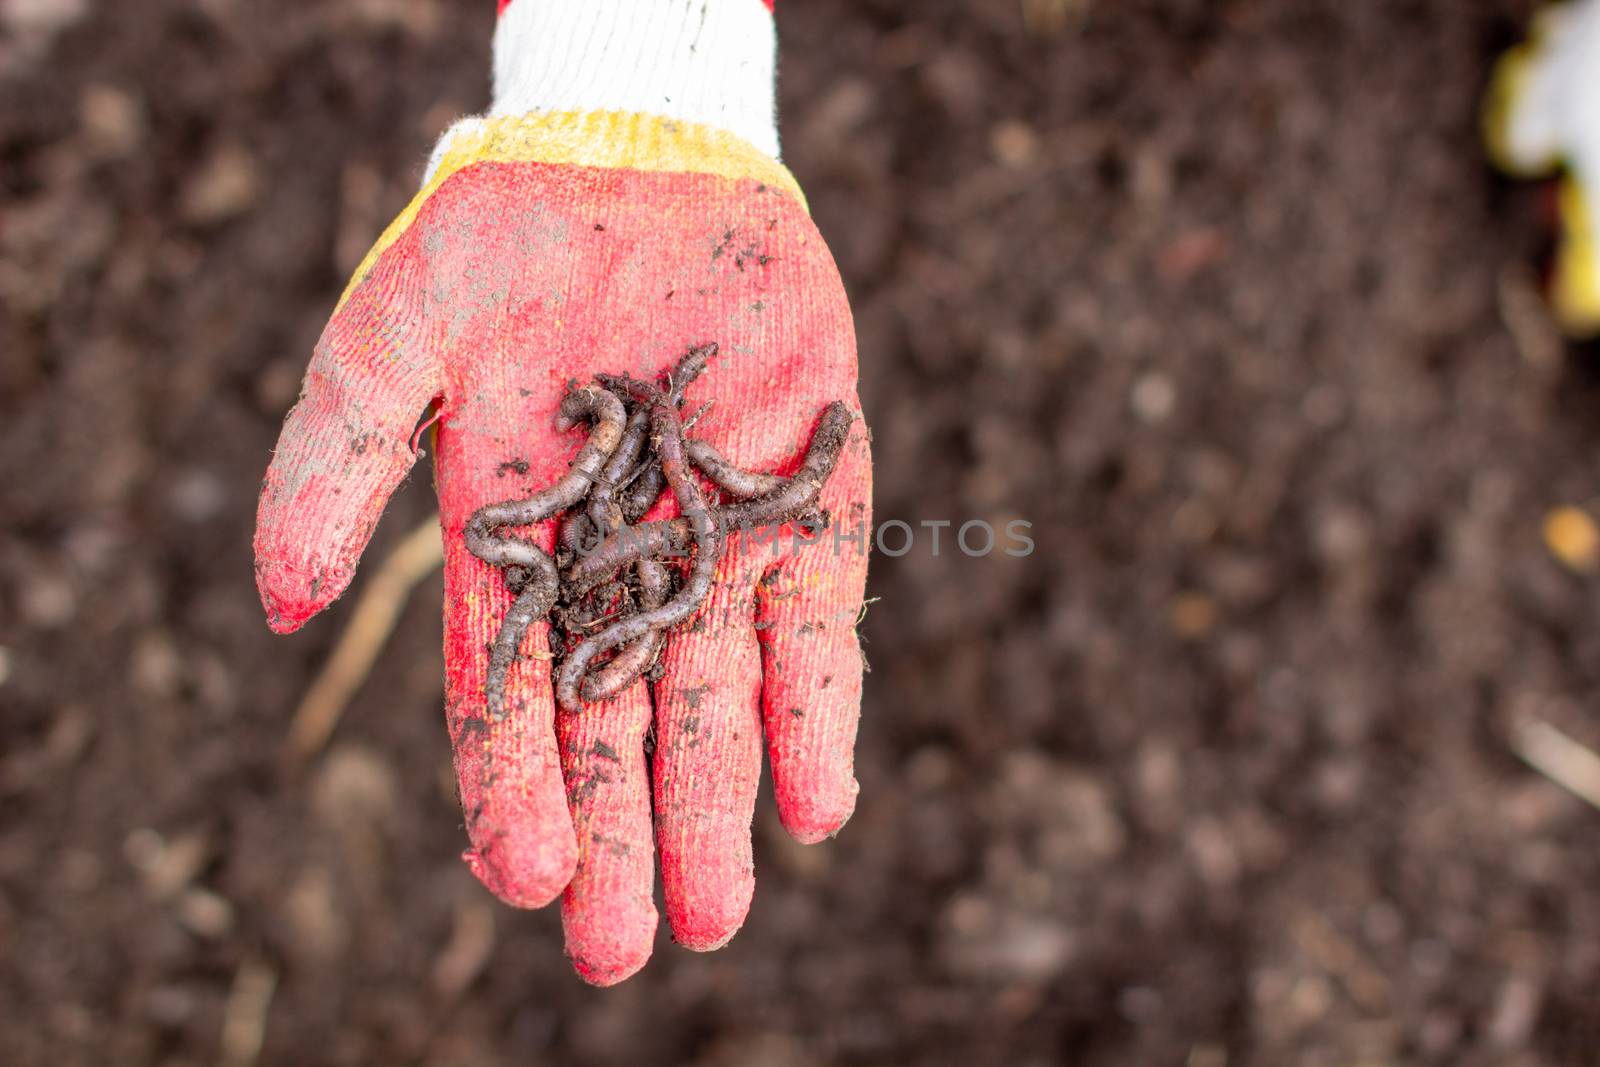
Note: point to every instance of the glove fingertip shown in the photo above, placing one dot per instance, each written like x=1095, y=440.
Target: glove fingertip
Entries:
x=523, y=872
x=709, y=920
x=606, y=949
x=292, y=594
x=811, y=815
x=603, y=976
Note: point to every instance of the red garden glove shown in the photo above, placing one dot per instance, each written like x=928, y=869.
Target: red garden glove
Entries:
x=620, y=204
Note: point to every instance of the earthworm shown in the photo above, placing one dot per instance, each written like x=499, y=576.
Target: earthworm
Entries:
x=666, y=538
x=534, y=602
x=636, y=656
x=646, y=476
x=503, y=551
x=647, y=480
x=688, y=369
x=636, y=446
x=683, y=373
x=729, y=478
x=604, y=511
x=792, y=498
x=530, y=572
x=644, y=493
x=629, y=544
x=633, y=475
x=577, y=535
x=800, y=491
x=667, y=435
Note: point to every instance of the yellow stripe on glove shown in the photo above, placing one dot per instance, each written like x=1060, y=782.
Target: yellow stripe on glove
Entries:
x=611, y=139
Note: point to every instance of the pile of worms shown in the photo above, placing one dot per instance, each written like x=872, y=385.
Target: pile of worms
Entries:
x=617, y=586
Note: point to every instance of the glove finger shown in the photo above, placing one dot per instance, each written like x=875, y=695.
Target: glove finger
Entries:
x=608, y=910
x=346, y=444
x=515, y=805
x=708, y=762
x=807, y=607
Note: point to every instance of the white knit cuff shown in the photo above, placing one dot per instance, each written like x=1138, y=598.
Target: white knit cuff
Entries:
x=706, y=61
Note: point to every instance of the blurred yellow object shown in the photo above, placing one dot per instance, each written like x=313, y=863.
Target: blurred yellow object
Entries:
x=1541, y=116
x=1573, y=538
x=1505, y=89
x=1576, y=292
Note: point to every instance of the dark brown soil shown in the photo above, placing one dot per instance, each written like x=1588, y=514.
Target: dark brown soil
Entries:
x=1216, y=295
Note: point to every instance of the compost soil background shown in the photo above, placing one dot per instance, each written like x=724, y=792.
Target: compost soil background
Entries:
x=1220, y=296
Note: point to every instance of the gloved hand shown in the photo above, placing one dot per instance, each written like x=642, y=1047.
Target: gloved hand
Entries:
x=620, y=204
x=1543, y=114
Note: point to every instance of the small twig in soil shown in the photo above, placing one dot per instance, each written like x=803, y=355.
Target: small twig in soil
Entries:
x=1566, y=762
x=373, y=620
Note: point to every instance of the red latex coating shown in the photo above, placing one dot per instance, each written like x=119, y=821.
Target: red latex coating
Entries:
x=608, y=909
x=514, y=279
x=708, y=762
